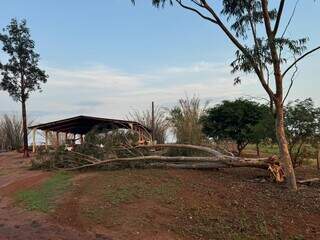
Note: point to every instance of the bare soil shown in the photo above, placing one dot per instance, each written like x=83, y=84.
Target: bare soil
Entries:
x=161, y=205
x=17, y=223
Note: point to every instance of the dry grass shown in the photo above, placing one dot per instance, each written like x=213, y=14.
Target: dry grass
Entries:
x=11, y=133
x=185, y=119
x=160, y=122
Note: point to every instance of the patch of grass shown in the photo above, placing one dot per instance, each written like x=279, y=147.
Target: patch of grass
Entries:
x=143, y=188
x=265, y=149
x=206, y=223
x=43, y=197
x=93, y=213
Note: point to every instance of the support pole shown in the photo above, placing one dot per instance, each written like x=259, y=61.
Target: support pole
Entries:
x=34, y=131
x=58, y=140
x=81, y=139
x=46, y=139
x=153, y=124
x=66, y=137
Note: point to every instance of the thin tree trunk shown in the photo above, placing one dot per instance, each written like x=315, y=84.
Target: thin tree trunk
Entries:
x=258, y=149
x=25, y=130
x=296, y=160
x=285, y=159
x=318, y=159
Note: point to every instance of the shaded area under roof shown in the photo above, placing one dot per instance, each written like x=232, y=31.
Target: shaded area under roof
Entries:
x=84, y=124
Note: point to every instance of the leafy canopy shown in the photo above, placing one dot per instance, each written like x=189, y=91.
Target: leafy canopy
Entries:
x=242, y=121
x=302, y=126
x=21, y=74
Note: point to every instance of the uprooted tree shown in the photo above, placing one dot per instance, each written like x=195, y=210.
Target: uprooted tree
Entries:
x=257, y=33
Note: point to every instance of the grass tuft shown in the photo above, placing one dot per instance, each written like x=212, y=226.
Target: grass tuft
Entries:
x=43, y=198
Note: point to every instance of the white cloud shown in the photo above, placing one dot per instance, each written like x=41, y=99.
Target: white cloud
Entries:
x=93, y=77
x=103, y=91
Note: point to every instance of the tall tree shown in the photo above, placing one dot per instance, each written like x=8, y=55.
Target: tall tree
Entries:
x=21, y=74
x=258, y=34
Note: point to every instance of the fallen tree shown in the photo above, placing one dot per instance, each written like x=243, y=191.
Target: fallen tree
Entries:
x=149, y=156
x=193, y=162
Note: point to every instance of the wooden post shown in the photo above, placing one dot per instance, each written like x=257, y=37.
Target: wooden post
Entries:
x=81, y=139
x=46, y=139
x=66, y=137
x=153, y=123
x=58, y=140
x=34, y=131
x=139, y=135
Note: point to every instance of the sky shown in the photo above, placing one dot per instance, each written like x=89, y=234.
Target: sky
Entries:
x=106, y=58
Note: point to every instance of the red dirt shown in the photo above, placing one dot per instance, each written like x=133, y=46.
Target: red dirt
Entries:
x=208, y=205
x=17, y=223
x=163, y=205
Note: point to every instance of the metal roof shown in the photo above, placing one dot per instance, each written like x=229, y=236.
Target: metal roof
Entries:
x=84, y=124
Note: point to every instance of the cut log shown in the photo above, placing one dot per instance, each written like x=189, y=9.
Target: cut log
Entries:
x=309, y=181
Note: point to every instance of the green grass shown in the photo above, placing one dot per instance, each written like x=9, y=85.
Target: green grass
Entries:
x=43, y=197
x=266, y=149
x=141, y=189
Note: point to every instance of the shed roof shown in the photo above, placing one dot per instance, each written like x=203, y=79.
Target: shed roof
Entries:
x=84, y=124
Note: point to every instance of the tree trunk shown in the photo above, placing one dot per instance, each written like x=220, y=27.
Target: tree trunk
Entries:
x=318, y=159
x=285, y=159
x=258, y=149
x=192, y=162
x=25, y=130
x=240, y=148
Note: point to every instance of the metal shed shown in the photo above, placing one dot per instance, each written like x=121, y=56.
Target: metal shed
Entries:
x=81, y=125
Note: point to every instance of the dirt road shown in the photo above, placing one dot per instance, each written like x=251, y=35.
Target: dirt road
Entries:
x=20, y=224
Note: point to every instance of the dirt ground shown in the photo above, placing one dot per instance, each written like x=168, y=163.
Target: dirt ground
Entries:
x=17, y=223
x=161, y=205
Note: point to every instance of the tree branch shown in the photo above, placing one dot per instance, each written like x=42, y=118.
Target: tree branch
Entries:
x=291, y=83
x=196, y=11
x=240, y=47
x=299, y=59
x=278, y=20
x=288, y=23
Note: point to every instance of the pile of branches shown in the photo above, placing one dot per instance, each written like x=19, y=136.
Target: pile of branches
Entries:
x=116, y=153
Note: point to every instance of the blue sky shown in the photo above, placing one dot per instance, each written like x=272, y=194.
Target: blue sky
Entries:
x=107, y=57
